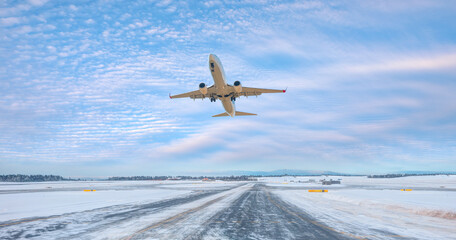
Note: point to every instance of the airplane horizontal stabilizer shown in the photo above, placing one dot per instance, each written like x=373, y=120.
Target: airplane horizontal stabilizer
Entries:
x=244, y=114
x=237, y=114
x=222, y=115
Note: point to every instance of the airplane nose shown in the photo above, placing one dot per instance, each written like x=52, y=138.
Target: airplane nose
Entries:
x=213, y=57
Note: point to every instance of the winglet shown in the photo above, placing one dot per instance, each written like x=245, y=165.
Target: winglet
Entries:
x=285, y=90
x=170, y=96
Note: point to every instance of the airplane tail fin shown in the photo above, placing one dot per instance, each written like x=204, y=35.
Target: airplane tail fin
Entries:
x=237, y=114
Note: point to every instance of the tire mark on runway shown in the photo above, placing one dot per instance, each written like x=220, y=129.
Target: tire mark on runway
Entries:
x=134, y=210
x=176, y=218
x=15, y=222
x=255, y=216
x=287, y=208
x=306, y=219
x=75, y=224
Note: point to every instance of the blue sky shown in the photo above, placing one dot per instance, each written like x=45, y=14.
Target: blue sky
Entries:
x=84, y=86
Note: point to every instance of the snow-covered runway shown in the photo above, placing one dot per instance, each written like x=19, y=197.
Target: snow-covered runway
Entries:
x=273, y=208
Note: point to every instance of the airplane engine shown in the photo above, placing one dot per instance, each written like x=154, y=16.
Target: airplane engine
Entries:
x=203, y=88
x=237, y=86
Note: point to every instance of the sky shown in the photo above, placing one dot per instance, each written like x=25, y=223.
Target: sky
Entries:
x=84, y=86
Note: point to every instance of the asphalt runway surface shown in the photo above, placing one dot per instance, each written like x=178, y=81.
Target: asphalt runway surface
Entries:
x=258, y=214
x=245, y=211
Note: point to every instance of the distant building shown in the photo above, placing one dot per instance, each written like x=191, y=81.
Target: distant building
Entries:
x=174, y=178
x=329, y=182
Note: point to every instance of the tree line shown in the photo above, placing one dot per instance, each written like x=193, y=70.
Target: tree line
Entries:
x=31, y=178
x=405, y=175
x=224, y=178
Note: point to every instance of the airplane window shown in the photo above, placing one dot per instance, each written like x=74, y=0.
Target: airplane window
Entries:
x=212, y=65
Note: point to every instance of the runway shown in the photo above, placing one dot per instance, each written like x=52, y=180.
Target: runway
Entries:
x=243, y=211
x=258, y=214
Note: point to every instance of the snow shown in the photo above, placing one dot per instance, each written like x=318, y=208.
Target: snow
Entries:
x=367, y=207
x=55, y=203
x=438, y=181
x=180, y=229
x=65, y=185
x=55, y=198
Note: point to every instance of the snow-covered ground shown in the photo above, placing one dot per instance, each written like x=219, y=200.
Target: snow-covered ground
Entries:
x=359, y=207
x=362, y=206
x=26, y=200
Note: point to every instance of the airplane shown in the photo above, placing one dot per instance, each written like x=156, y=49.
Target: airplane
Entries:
x=225, y=92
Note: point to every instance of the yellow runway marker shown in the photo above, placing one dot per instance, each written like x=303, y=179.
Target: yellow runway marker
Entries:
x=318, y=190
x=406, y=190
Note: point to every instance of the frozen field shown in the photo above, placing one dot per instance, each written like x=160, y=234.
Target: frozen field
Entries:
x=272, y=208
x=365, y=206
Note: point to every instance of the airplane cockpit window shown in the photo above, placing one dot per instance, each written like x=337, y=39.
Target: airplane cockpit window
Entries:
x=212, y=65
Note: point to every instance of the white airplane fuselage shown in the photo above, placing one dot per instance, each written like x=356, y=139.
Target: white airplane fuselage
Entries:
x=226, y=93
x=222, y=91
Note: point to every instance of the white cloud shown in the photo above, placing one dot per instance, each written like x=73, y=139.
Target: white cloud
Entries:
x=391, y=6
x=38, y=2
x=296, y=6
x=73, y=7
x=9, y=21
x=163, y=3
x=171, y=9
x=415, y=64
x=71, y=96
x=105, y=33
x=212, y=3
x=11, y=11
x=24, y=29
x=52, y=49
x=125, y=16
x=156, y=30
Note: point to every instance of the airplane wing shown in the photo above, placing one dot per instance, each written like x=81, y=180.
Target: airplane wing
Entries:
x=195, y=94
x=247, y=91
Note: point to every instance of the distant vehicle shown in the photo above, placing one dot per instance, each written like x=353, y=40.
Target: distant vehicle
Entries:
x=223, y=91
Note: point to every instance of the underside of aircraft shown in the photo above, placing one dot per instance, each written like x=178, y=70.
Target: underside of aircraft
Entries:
x=224, y=92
